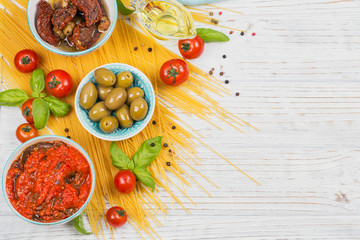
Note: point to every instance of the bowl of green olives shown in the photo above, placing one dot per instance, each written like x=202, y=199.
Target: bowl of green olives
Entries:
x=115, y=101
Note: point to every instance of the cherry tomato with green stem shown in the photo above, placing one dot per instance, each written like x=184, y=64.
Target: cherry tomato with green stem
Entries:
x=26, y=111
x=26, y=132
x=191, y=48
x=59, y=83
x=116, y=216
x=174, y=72
x=26, y=60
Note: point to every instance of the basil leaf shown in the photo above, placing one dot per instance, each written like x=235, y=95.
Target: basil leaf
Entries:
x=57, y=107
x=147, y=152
x=78, y=223
x=13, y=97
x=41, y=113
x=122, y=9
x=145, y=177
x=131, y=165
x=35, y=94
x=210, y=35
x=37, y=80
x=119, y=158
x=42, y=95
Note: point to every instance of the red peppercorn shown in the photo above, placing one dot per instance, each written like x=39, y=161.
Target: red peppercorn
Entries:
x=231, y=32
x=253, y=34
x=220, y=13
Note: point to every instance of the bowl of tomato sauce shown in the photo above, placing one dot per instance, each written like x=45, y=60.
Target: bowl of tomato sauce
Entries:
x=48, y=180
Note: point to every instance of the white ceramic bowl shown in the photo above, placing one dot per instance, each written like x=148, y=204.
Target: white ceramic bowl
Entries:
x=31, y=18
x=140, y=80
x=49, y=138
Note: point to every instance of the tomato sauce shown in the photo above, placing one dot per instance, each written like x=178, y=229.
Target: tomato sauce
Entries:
x=48, y=182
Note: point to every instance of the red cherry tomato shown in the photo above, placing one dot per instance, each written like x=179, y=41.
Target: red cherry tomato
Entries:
x=116, y=216
x=59, y=83
x=174, y=72
x=26, y=111
x=191, y=48
x=25, y=132
x=26, y=60
x=125, y=181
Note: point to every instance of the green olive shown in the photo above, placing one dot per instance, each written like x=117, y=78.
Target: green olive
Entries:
x=88, y=95
x=116, y=98
x=138, y=109
x=123, y=116
x=134, y=93
x=105, y=77
x=124, y=79
x=109, y=124
x=98, y=111
x=103, y=91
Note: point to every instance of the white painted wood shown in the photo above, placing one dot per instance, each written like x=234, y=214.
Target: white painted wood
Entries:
x=298, y=80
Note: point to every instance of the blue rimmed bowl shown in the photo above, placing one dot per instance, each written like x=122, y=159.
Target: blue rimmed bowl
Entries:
x=49, y=138
x=140, y=80
x=31, y=13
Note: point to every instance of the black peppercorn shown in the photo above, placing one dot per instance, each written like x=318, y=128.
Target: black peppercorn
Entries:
x=173, y=127
x=165, y=145
x=226, y=81
x=150, y=49
x=152, y=144
x=168, y=164
x=68, y=137
x=237, y=94
x=224, y=56
x=154, y=122
x=242, y=33
x=66, y=130
x=135, y=48
x=170, y=151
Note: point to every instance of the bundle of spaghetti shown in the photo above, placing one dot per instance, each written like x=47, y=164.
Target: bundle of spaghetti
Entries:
x=142, y=205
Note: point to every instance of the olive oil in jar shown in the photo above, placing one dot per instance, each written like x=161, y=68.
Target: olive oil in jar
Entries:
x=165, y=19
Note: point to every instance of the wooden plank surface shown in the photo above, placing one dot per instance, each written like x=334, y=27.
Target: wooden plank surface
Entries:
x=298, y=80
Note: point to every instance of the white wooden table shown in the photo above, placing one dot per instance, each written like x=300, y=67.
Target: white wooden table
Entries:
x=299, y=83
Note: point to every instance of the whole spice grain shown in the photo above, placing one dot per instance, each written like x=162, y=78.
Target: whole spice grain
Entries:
x=68, y=137
x=221, y=73
x=135, y=48
x=237, y=94
x=211, y=13
x=224, y=56
x=66, y=130
x=165, y=145
x=154, y=122
x=152, y=144
x=226, y=81
x=214, y=21
x=242, y=33
x=168, y=164
x=173, y=127
x=211, y=72
x=149, y=49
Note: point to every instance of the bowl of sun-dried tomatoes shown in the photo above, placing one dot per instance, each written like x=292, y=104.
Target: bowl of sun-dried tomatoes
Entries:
x=71, y=27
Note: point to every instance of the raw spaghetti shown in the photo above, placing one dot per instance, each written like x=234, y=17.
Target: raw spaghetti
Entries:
x=141, y=205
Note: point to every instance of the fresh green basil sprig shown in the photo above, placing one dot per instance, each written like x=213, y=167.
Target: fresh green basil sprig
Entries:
x=37, y=82
x=42, y=105
x=143, y=157
x=210, y=35
x=78, y=223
